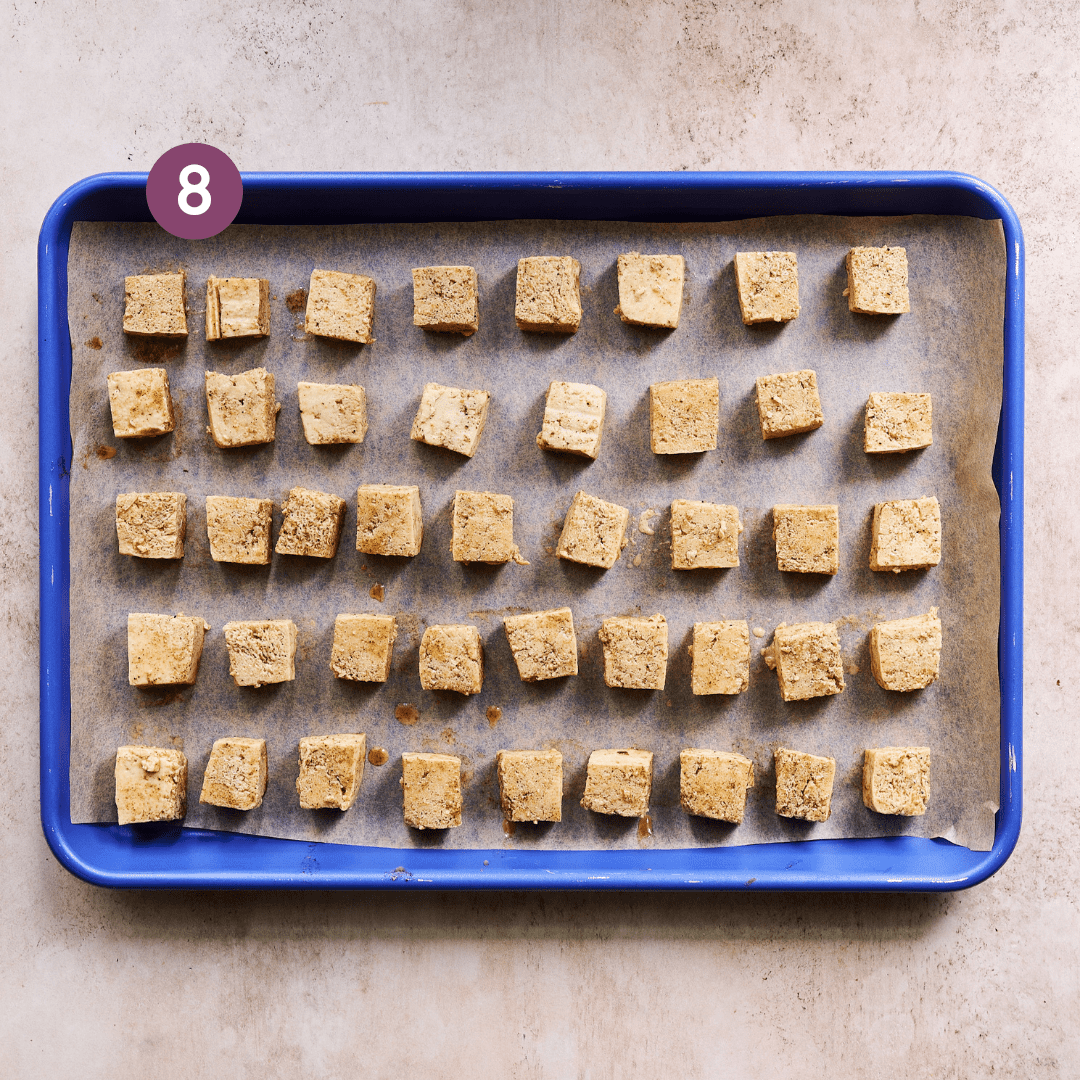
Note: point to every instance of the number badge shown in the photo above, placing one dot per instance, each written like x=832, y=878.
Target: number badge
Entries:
x=194, y=191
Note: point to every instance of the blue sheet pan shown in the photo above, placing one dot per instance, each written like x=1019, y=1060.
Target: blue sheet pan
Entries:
x=168, y=856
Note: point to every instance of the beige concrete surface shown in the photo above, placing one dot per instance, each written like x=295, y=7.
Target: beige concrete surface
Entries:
x=98, y=984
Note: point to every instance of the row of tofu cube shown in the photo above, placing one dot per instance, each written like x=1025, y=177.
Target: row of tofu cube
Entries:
x=548, y=298
x=905, y=654
x=906, y=533
x=684, y=414
x=151, y=782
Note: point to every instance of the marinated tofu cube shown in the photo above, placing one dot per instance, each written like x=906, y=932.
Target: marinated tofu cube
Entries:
x=704, y=535
x=896, y=423
x=619, y=782
x=235, y=775
x=261, y=651
x=906, y=535
x=484, y=528
x=237, y=307
x=363, y=647
x=154, y=305
x=332, y=413
x=721, y=657
x=651, y=289
x=241, y=408
x=573, y=419
x=239, y=529
x=445, y=298
x=877, y=281
x=804, y=785
x=548, y=294
x=593, y=531
x=896, y=780
x=768, y=284
x=152, y=524
x=140, y=403
x=713, y=784
x=151, y=784
x=684, y=416
x=431, y=785
x=635, y=652
x=388, y=520
x=164, y=650
x=452, y=658
x=311, y=524
x=530, y=785
x=451, y=418
x=788, y=404
x=807, y=538
x=340, y=306
x=807, y=660
x=905, y=654
x=331, y=770
x=543, y=643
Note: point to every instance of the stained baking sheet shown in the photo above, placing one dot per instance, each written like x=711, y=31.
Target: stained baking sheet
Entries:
x=951, y=346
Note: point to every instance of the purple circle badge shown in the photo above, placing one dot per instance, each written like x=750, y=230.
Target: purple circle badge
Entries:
x=194, y=191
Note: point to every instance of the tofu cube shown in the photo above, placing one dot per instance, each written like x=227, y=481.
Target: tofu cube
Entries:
x=807, y=538
x=804, y=785
x=548, y=294
x=788, y=404
x=152, y=524
x=896, y=423
x=154, y=305
x=573, y=419
x=452, y=658
x=530, y=785
x=484, y=528
x=721, y=657
x=543, y=643
x=235, y=775
x=713, y=784
x=239, y=529
x=704, y=535
x=241, y=408
x=164, y=650
x=684, y=416
x=261, y=651
x=140, y=403
x=651, y=289
x=768, y=284
x=451, y=418
x=340, y=306
x=388, y=520
x=311, y=524
x=237, y=307
x=906, y=535
x=363, y=647
x=635, y=652
x=593, y=531
x=877, y=280
x=151, y=784
x=618, y=782
x=445, y=298
x=896, y=780
x=807, y=660
x=331, y=770
x=431, y=785
x=332, y=413
x=905, y=654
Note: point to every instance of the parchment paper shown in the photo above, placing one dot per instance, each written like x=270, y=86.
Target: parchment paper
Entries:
x=950, y=345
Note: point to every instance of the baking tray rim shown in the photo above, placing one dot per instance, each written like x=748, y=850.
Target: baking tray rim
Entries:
x=172, y=857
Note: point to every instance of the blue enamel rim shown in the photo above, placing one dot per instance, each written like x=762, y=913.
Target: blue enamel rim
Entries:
x=170, y=857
